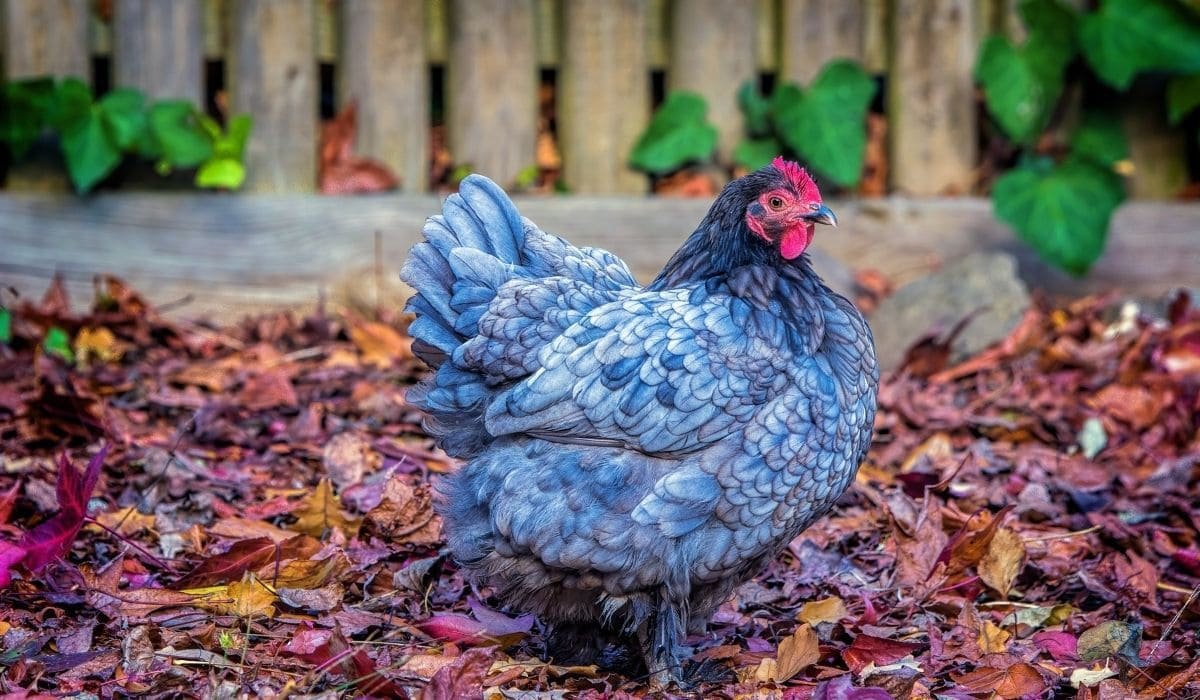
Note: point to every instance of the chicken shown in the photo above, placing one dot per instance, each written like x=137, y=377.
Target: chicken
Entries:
x=633, y=454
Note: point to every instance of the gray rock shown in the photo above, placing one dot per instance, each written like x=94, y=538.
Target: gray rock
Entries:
x=986, y=283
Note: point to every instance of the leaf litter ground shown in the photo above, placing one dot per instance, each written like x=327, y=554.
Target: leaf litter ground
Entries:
x=199, y=511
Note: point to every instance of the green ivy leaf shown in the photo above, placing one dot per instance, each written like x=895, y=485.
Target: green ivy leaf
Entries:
x=124, y=113
x=756, y=109
x=753, y=154
x=1100, y=139
x=1051, y=41
x=1016, y=98
x=221, y=173
x=1021, y=85
x=89, y=150
x=5, y=326
x=58, y=343
x=678, y=133
x=1183, y=95
x=24, y=106
x=1062, y=211
x=70, y=104
x=232, y=143
x=1126, y=37
x=176, y=127
x=826, y=125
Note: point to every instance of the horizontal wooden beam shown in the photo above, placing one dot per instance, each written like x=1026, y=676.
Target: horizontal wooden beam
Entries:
x=233, y=254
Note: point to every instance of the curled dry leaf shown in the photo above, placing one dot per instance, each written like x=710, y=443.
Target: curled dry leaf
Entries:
x=404, y=515
x=1003, y=561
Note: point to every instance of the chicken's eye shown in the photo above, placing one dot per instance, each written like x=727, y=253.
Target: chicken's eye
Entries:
x=775, y=203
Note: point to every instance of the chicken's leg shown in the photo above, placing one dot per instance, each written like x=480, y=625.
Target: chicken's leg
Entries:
x=659, y=637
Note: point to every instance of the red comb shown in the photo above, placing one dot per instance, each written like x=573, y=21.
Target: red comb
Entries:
x=794, y=174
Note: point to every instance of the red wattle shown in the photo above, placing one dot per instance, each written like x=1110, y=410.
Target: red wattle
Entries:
x=794, y=241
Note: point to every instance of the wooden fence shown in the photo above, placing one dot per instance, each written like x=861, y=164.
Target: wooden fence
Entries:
x=604, y=53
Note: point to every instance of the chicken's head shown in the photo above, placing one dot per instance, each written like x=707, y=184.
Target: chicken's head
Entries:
x=787, y=209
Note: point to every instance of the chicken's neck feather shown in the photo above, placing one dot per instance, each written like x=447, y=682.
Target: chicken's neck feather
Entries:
x=723, y=256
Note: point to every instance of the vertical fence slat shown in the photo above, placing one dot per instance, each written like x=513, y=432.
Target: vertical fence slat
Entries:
x=273, y=77
x=46, y=37
x=815, y=31
x=931, y=96
x=767, y=35
x=158, y=48
x=491, y=86
x=382, y=68
x=604, y=93
x=1158, y=152
x=547, y=20
x=697, y=26
x=875, y=35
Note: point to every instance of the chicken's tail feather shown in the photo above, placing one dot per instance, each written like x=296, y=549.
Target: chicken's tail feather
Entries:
x=472, y=248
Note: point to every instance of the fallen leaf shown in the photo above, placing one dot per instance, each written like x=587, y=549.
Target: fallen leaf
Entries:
x=830, y=609
x=348, y=457
x=127, y=521
x=1019, y=680
x=380, y=344
x=796, y=653
x=339, y=171
x=321, y=511
x=244, y=528
x=1111, y=638
x=248, y=598
x=267, y=389
x=993, y=639
x=841, y=688
x=54, y=537
x=1003, y=561
x=97, y=343
x=1062, y=646
x=1091, y=676
x=868, y=649
x=404, y=515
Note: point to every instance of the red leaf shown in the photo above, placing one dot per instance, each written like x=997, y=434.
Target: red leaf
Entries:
x=53, y=538
x=10, y=554
x=7, y=500
x=1062, y=646
x=452, y=627
x=243, y=556
x=330, y=650
x=866, y=649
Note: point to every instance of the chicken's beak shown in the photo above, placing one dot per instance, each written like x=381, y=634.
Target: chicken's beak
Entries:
x=822, y=215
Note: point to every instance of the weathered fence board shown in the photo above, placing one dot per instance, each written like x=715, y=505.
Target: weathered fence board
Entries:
x=696, y=27
x=383, y=69
x=931, y=96
x=273, y=77
x=814, y=32
x=604, y=58
x=158, y=48
x=235, y=253
x=491, y=86
x=1159, y=153
x=46, y=37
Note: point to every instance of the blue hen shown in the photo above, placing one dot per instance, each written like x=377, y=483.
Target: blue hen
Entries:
x=633, y=454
